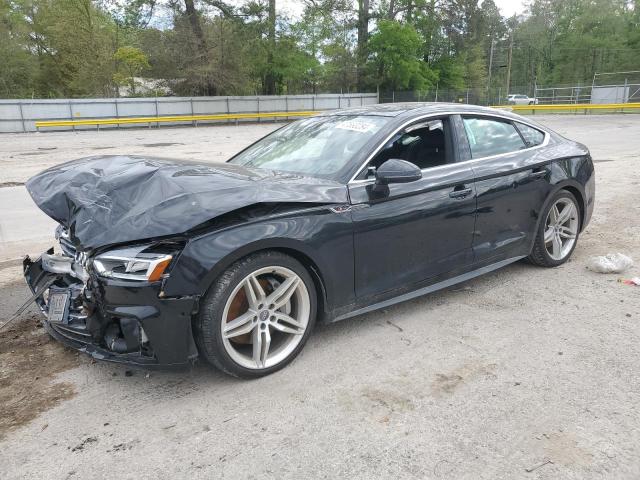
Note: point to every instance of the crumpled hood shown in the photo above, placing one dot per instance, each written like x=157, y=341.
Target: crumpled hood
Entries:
x=115, y=199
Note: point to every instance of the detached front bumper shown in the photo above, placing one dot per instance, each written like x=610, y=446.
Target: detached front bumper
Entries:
x=116, y=321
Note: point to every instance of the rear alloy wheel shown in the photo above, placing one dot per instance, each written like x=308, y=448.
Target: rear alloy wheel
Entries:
x=558, y=233
x=258, y=316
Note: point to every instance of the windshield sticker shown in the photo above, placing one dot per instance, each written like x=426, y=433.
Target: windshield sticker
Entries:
x=355, y=125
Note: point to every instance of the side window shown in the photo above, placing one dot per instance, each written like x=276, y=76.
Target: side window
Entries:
x=531, y=135
x=491, y=137
x=425, y=144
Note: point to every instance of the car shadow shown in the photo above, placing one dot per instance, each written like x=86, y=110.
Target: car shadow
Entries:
x=200, y=375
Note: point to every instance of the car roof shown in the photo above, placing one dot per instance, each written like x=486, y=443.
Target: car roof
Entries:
x=409, y=109
x=379, y=109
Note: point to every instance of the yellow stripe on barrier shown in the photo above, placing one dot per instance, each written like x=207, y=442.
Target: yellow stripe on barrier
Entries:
x=571, y=106
x=171, y=118
x=240, y=116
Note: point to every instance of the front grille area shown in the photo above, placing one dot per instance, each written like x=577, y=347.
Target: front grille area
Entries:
x=62, y=235
x=75, y=332
x=67, y=247
x=75, y=323
x=85, y=325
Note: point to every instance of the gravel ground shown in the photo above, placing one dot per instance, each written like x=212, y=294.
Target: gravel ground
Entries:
x=523, y=373
x=24, y=155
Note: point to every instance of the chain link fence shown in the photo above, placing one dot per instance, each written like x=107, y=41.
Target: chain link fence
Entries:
x=624, y=93
x=471, y=95
x=555, y=95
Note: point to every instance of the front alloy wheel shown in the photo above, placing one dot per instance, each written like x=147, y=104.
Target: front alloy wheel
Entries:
x=265, y=317
x=258, y=316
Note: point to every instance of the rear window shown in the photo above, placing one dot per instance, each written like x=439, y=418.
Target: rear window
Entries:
x=532, y=136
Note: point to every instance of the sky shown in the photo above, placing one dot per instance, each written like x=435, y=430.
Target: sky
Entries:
x=293, y=9
x=507, y=7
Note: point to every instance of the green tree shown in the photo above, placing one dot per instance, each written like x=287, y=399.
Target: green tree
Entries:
x=131, y=63
x=19, y=69
x=560, y=42
x=324, y=35
x=452, y=72
x=77, y=42
x=76, y=48
x=395, y=50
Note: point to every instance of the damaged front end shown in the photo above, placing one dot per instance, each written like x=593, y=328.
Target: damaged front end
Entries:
x=115, y=295
x=111, y=305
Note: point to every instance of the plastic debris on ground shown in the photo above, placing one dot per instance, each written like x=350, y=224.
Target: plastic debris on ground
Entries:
x=635, y=281
x=610, y=263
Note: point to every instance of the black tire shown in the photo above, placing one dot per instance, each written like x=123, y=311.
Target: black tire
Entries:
x=539, y=254
x=207, y=324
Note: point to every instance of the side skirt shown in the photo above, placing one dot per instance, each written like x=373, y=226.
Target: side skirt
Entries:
x=429, y=289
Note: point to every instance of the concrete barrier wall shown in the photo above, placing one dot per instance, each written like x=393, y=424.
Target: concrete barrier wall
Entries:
x=20, y=115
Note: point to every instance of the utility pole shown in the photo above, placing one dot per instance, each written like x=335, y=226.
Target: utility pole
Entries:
x=490, y=68
x=509, y=62
x=363, y=36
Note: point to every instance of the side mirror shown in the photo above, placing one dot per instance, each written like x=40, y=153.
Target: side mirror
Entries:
x=397, y=171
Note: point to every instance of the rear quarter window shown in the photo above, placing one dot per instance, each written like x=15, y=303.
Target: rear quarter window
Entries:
x=489, y=137
x=532, y=136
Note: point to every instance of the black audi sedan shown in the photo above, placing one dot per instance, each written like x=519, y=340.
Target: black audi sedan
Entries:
x=164, y=261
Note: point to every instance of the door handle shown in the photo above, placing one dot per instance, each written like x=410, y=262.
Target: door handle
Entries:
x=460, y=193
x=539, y=173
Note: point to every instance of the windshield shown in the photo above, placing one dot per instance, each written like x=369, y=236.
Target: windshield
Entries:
x=317, y=146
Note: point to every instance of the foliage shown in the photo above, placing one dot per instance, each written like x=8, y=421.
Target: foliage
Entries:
x=19, y=66
x=80, y=48
x=131, y=63
x=396, y=49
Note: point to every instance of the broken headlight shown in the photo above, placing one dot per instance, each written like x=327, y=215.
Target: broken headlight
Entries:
x=143, y=263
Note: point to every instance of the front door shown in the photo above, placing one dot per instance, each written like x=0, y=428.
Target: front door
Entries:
x=411, y=233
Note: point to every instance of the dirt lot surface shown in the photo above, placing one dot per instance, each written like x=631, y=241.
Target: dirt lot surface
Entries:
x=24, y=155
x=30, y=359
x=523, y=373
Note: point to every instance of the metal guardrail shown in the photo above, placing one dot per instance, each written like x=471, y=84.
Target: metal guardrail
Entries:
x=240, y=116
x=20, y=115
x=170, y=119
x=571, y=107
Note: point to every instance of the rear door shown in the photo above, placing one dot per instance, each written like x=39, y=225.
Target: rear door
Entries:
x=415, y=231
x=512, y=183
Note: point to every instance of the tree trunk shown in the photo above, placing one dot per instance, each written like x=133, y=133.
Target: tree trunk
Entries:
x=509, y=59
x=208, y=87
x=269, y=87
x=194, y=20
